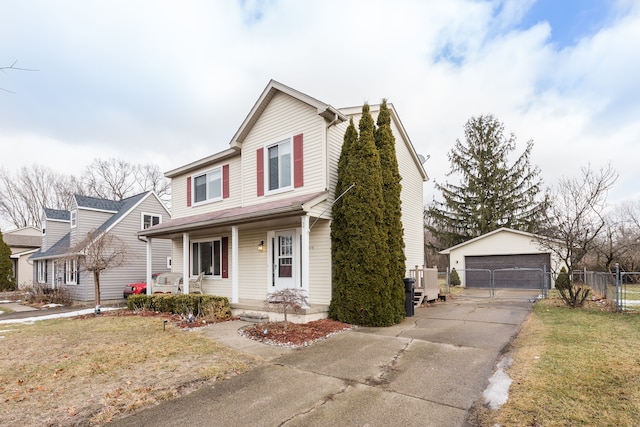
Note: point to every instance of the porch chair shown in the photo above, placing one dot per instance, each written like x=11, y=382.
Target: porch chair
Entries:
x=196, y=285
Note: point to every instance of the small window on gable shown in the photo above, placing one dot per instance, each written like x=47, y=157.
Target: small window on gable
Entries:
x=74, y=218
x=149, y=220
x=208, y=186
x=279, y=166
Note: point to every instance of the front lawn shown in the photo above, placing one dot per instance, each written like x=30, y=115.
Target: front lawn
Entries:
x=573, y=367
x=88, y=371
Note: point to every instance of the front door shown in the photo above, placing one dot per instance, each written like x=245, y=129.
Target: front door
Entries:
x=284, y=256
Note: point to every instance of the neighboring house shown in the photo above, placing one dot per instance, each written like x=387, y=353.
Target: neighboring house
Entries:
x=514, y=258
x=23, y=242
x=63, y=229
x=256, y=218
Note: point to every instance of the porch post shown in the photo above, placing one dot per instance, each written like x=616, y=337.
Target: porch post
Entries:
x=234, y=265
x=304, y=254
x=185, y=263
x=149, y=265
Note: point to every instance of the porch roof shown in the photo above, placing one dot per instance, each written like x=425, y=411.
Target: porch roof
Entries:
x=238, y=215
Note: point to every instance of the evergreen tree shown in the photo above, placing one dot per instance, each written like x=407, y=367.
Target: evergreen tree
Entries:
x=492, y=193
x=361, y=294
x=7, y=281
x=391, y=189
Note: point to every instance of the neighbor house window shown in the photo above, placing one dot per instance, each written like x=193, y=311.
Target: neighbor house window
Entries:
x=279, y=165
x=71, y=272
x=74, y=219
x=208, y=186
x=42, y=271
x=149, y=220
x=206, y=256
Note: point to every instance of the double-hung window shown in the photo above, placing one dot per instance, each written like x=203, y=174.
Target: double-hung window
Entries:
x=149, y=220
x=42, y=271
x=74, y=218
x=208, y=186
x=279, y=165
x=71, y=272
x=206, y=256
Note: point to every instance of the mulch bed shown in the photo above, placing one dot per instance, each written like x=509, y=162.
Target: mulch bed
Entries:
x=294, y=334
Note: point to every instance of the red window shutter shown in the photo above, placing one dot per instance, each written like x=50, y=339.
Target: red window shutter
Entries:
x=189, y=191
x=298, y=162
x=225, y=257
x=260, y=170
x=225, y=181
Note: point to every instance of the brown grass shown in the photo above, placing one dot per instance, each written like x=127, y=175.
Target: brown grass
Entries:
x=573, y=367
x=93, y=370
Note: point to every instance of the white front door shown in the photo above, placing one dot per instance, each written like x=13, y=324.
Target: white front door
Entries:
x=284, y=260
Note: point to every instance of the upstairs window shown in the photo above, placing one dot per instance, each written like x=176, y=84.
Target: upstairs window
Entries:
x=209, y=186
x=149, y=220
x=74, y=218
x=279, y=166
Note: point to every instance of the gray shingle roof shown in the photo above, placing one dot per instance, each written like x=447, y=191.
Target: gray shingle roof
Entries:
x=96, y=203
x=57, y=214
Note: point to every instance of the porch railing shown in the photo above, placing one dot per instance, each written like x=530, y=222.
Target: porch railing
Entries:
x=426, y=285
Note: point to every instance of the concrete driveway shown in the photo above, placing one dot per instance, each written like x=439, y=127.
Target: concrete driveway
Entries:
x=427, y=371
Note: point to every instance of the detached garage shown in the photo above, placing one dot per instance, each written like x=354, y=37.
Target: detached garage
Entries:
x=513, y=258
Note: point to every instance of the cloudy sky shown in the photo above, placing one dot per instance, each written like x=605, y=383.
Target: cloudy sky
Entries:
x=169, y=82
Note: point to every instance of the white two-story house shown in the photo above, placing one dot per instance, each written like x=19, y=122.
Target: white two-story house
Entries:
x=256, y=217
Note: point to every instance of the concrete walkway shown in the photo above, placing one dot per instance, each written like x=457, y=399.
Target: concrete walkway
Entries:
x=427, y=371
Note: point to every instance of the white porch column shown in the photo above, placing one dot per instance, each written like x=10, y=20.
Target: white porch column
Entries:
x=185, y=263
x=149, y=265
x=234, y=265
x=304, y=255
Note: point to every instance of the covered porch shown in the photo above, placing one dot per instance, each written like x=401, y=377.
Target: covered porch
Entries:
x=247, y=253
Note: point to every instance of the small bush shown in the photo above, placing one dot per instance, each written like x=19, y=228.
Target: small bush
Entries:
x=454, y=279
x=42, y=294
x=207, y=306
x=573, y=294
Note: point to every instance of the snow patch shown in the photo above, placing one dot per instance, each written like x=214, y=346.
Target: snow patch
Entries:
x=497, y=392
x=30, y=320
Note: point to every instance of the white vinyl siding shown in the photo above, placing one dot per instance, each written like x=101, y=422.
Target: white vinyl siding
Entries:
x=320, y=263
x=283, y=118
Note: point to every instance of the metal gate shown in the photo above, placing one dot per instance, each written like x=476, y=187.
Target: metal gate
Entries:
x=627, y=290
x=494, y=279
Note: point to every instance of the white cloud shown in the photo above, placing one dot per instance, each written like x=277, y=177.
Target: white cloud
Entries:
x=137, y=79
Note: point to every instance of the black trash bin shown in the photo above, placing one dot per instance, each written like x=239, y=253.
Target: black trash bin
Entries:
x=409, y=286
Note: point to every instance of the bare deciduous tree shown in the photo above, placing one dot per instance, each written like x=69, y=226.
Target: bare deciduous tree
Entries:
x=286, y=301
x=25, y=193
x=575, y=218
x=96, y=252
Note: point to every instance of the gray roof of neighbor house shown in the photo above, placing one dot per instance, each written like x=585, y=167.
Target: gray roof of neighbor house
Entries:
x=99, y=204
x=120, y=208
x=19, y=241
x=125, y=207
x=60, y=248
x=57, y=214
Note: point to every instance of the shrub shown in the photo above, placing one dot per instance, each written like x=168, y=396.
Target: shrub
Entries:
x=573, y=294
x=198, y=305
x=42, y=294
x=454, y=279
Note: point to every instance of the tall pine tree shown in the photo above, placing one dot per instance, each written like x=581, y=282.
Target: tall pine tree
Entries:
x=391, y=189
x=492, y=193
x=359, y=243
x=7, y=281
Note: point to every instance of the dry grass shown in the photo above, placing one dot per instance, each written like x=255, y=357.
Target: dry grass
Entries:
x=573, y=367
x=91, y=371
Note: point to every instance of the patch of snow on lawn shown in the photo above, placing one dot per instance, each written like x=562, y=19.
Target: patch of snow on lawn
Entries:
x=30, y=320
x=497, y=392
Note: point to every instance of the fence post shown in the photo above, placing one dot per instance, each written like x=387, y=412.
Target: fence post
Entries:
x=618, y=299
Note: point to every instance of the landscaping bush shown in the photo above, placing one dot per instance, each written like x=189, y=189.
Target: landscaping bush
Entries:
x=573, y=294
x=43, y=294
x=198, y=305
x=454, y=279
